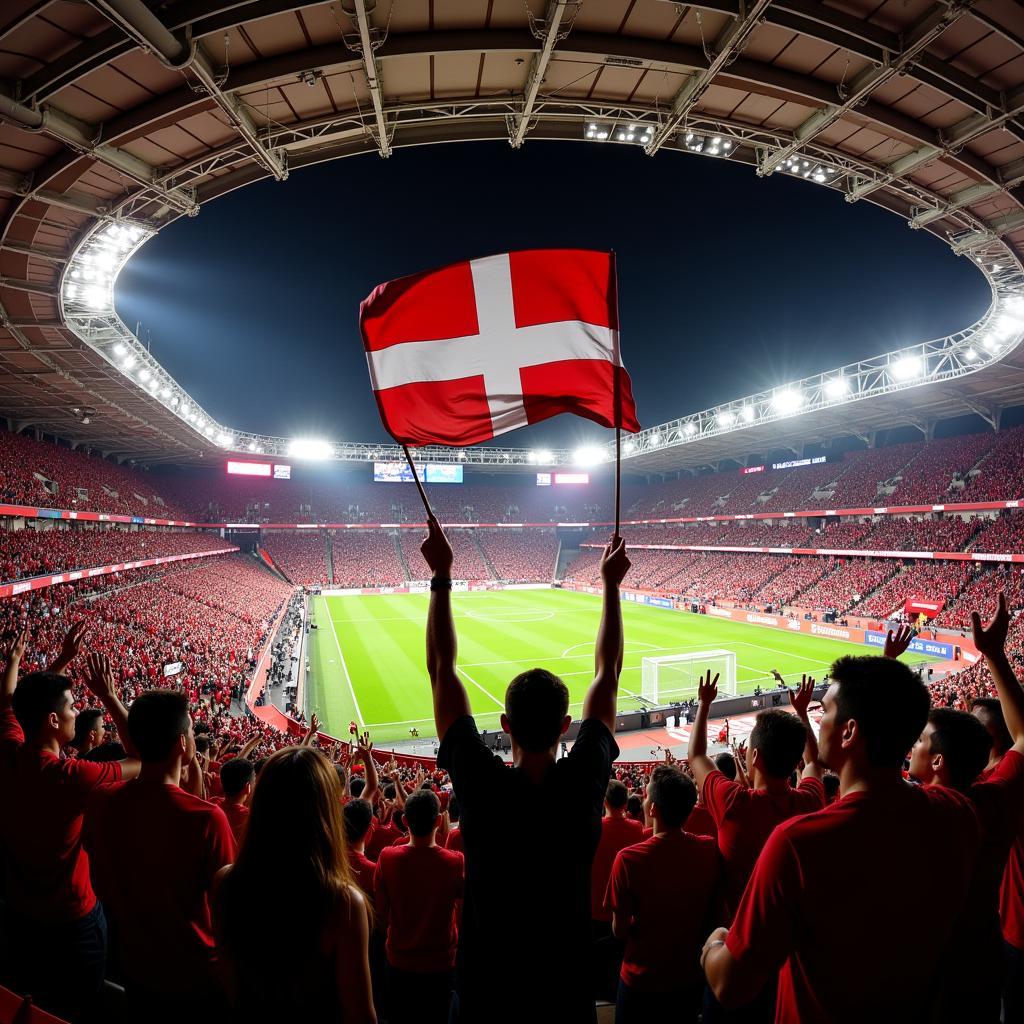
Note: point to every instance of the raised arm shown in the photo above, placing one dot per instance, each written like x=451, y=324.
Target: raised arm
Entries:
x=991, y=641
x=10, y=681
x=697, y=752
x=311, y=732
x=896, y=643
x=601, y=699
x=250, y=746
x=451, y=701
x=99, y=679
x=800, y=698
x=70, y=648
x=364, y=753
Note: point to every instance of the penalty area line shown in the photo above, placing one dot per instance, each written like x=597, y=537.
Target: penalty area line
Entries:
x=463, y=672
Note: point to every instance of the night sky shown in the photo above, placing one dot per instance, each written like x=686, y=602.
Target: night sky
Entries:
x=728, y=283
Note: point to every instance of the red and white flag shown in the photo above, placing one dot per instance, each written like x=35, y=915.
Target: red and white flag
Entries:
x=465, y=353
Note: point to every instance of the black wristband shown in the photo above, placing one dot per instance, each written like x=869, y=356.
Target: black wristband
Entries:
x=441, y=583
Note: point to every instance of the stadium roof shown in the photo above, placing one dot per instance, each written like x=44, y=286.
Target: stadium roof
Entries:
x=119, y=117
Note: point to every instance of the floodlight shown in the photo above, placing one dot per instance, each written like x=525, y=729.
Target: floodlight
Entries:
x=153, y=385
x=174, y=401
x=970, y=355
x=224, y=439
x=207, y=430
x=128, y=362
x=144, y=374
x=655, y=440
x=185, y=410
x=119, y=349
x=725, y=418
x=164, y=392
x=462, y=456
x=836, y=387
x=587, y=456
x=991, y=344
x=690, y=428
x=309, y=448
x=747, y=413
x=95, y=297
x=906, y=368
x=629, y=447
x=544, y=457
x=787, y=401
x=71, y=291
x=252, y=446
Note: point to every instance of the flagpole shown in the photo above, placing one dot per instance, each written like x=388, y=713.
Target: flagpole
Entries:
x=416, y=480
x=618, y=475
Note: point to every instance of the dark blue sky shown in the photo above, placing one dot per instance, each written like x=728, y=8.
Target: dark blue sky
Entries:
x=728, y=283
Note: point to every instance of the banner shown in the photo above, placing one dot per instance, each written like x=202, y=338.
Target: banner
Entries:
x=917, y=605
x=919, y=645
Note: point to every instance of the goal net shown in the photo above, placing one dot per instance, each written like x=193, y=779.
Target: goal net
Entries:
x=675, y=677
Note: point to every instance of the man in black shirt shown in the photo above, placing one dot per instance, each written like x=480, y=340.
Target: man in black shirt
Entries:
x=529, y=830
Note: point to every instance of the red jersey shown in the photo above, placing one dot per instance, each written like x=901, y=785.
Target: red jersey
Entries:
x=745, y=819
x=155, y=851
x=416, y=889
x=363, y=870
x=616, y=834
x=380, y=836
x=700, y=822
x=883, y=856
x=42, y=798
x=668, y=886
x=237, y=815
x=454, y=841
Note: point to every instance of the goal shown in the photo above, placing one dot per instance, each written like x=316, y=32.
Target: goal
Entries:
x=675, y=677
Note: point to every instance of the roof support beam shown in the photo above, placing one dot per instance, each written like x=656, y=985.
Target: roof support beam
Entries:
x=1011, y=175
x=549, y=32
x=12, y=183
x=34, y=287
x=84, y=138
x=40, y=251
x=993, y=231
x=897, y=169
x=137, y=21
x=725, y=49
x=367, y=46
x=922, y=34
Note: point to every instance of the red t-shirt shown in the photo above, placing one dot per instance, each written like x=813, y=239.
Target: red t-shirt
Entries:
x=1011, y=894
x=416, y=889
x=745, y=819
x=454, y=841
x=363, y=870
x=155, y=851
x=882, y=857
x=42, y=798
x=616, y=834
x=700, y=822
x=380, y=836
x=668, y=885
x=237, y=815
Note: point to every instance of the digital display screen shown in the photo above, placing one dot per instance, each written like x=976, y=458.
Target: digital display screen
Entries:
x=428, y=472
x=249, y=468
x=282, y=471
x=547, y=479
x=792, y=464
x=744, y=470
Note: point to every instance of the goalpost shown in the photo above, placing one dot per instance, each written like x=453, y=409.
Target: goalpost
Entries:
x=674, y=677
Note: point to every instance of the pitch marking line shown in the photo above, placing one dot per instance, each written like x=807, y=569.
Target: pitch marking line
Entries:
x=348, y=678
x=500, y=704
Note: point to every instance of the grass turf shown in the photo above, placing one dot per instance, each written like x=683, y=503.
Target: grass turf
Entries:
x=367, y=654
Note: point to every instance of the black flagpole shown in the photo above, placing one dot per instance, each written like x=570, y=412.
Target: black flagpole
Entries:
x=617, y=397
x=416, y=480
x=618, y=471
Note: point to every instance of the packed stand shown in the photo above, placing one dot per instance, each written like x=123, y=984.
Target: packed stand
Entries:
x=76, y=481
x=933, y=581
x=300, y=555
x=28, y=552
x=1004, y=534
x=471, y=561
x=520, y=556
x=851, y=580
x=366, y=558
x=929, y=476
x=1001, y=474
x=981, y=593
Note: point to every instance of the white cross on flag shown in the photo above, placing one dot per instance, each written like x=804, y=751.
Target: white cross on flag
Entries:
x=462, y=354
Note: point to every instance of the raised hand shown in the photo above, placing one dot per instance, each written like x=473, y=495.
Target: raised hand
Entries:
x=707, y=689
x=800, y=698
x=16, y=648
x=99, y=677
x=614, y=562
x=991, y=639
x=896, y=643
x=364, y=745
x=436, y=550
x=70, y=648
x=314, y=723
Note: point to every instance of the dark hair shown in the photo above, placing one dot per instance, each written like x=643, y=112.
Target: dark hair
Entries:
x=964, y=743
x=994, y=721
x=358, y=818
x=635, y=807
x=453, y=808
x=421, y=811
x=726, y=764
x=888, y=702
x=39, y=695
x=536, y=703
x=616, y=795
x=87, y=721
x=203, y=743
x=356, y=786
x=235, y=775
x=779, y=738
x=673, y=793
x=156, y=721
x=388, y=792
x=831, y=784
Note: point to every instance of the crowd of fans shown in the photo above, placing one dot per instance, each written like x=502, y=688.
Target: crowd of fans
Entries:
x=301, y=555
x=366, y=558
x=933, y=581
x=28, y=552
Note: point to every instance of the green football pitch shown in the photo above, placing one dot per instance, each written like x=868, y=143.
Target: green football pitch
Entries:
x=366, y=656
